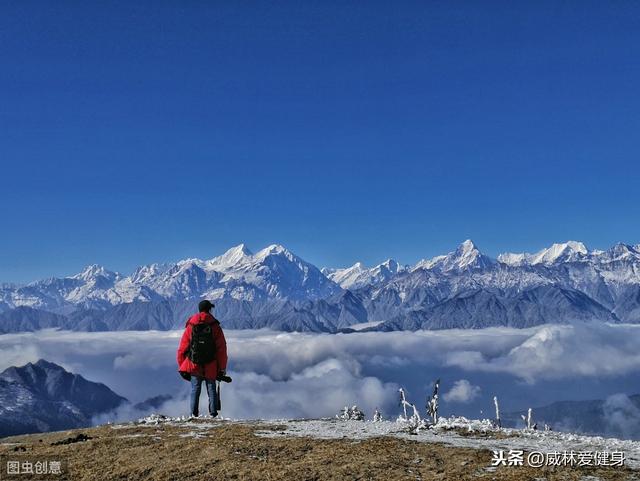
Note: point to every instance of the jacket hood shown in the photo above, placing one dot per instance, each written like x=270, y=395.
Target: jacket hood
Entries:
x=201, y=318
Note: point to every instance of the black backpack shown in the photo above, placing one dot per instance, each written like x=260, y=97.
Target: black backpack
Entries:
x=202, y=349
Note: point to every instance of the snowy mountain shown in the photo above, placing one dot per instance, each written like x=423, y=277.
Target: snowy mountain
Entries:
x=272, y=273
x=568, y=252
x=358, y=275
x=465, y=258
x=565, y=282
x=44, y=397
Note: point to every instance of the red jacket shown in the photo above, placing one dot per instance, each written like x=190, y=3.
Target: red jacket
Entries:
x=211, y=369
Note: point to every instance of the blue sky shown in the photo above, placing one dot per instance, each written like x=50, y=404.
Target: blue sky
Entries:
x=134, y=132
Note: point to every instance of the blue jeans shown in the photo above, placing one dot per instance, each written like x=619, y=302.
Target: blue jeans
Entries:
x=196, y=387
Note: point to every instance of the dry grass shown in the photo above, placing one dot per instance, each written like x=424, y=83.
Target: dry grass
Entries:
x=232, y=451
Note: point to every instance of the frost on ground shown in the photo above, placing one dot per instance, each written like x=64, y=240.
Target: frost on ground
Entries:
x=162, y=448
x=462, y=432
x=201, y=423
x=456, y=431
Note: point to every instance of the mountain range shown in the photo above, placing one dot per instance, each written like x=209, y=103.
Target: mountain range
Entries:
x=43, y=396
x=275, y=288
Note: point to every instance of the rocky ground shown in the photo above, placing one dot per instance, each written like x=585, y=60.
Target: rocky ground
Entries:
x=159, y=448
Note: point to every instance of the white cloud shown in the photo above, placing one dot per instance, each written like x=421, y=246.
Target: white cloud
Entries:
x=319, y=390
x=462, y=392
x=312, y=375
x=560, y=352
x=622, y=416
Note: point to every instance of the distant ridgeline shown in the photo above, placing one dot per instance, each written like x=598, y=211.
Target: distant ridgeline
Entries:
x=617, y=416
x=45, y=397
x=277, y=289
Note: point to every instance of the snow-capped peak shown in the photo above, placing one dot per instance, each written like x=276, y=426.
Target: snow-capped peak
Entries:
x=558, y=252
x=621, y=249
x=467, y=246
x=391, y=265
x=620, y=252
x=512, y=259
x=240, y=250
x=428, y=263
x=277, y=251
x=273, y=249
x=93, y=271
x=466, y=252
x=234, y=256
x=387, y=269
x=241, y=258
x=349, y=276
x=570, y=250
x=146, y=273
x=358, y=275
x=466, y=256
x=276, y=273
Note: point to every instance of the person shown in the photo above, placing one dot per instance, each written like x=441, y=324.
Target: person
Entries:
x=202, y=356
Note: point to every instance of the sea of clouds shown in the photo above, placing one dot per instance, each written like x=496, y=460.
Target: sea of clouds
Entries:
x=287, y=375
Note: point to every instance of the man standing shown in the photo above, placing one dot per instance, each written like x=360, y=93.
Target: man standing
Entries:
x=202, y=355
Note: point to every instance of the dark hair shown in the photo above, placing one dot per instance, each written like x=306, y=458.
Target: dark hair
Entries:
x=205, y=306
